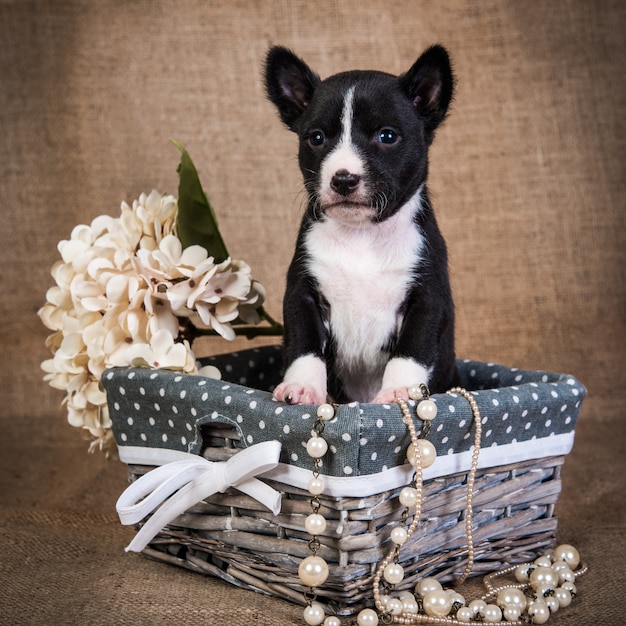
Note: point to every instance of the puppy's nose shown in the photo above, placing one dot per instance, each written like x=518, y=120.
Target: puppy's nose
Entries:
x=344, y=183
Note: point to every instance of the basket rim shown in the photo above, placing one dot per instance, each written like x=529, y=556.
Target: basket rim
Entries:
x=157, y=414
x=371, y=484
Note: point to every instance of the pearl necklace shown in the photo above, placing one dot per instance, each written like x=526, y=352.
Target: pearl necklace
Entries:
x=541, y=587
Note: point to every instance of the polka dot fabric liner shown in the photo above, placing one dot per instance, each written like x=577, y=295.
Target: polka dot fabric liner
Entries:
x=164, y=409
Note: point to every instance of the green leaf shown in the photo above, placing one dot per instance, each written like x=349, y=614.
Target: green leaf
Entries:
x=196, y=222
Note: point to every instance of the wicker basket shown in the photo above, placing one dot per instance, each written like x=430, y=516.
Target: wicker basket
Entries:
x=528, y=426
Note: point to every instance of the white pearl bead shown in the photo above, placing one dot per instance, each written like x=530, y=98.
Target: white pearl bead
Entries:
x=427, y=410
x=521, y=573
x=552, y=603
x=367, y=617
x=428, y=453
x=557, y=566
x=571, y=587
x=544, y=589
x=477, y=606
x=455, y=596
x=567, y=553
x=316, y=486
x=563, y=596
x=543, y=561
x=427, y=584
x=325, y=412
x=539, y=612
x=332, y=620
x=415, y=392
x=408, y=497
x=314, y=614
x=315, y=524
x=464, y=614
x=394, y=606
x=437, y=603
x=313, y=571
x=399, y=535
x=511, y=597
x=543, y=575
x=566, y=576
x=316, y=447
x=409, y=605
x=393, y=573
x=404, y=594
x=511, y=613
x=492, y=614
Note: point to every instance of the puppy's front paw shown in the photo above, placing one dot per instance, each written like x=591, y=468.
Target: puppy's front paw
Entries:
x=295, y=393
x=400, y=373
x=291, y=390
x=389, y=395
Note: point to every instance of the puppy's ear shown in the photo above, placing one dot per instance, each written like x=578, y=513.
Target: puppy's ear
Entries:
x=429, y=84
x=289, y=83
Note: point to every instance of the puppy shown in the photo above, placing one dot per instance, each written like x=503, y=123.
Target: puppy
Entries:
x=368, y=309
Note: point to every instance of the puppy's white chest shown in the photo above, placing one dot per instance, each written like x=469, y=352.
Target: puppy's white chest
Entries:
x=364, y=273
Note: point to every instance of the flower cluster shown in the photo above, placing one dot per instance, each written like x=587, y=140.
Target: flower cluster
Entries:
x=125, y=292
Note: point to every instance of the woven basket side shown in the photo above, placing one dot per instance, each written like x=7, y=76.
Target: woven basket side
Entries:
x=232, y=536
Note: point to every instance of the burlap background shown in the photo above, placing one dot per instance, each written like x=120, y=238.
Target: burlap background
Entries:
x=527, y=178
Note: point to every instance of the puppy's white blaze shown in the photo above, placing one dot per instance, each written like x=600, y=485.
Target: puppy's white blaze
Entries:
x=347, y=116
x=404, y=372
x=364, y=273
x=308, y=371
x=345, y=156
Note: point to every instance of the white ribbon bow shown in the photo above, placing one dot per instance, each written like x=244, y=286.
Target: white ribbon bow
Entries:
x=191, y=481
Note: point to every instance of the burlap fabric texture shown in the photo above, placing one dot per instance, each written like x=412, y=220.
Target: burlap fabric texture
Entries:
x=527, y=179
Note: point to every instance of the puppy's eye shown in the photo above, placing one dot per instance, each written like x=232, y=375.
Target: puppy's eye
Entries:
x=317, y=138
x=387, y=136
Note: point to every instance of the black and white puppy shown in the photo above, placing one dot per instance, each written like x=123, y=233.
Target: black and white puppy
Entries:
x=368, y=309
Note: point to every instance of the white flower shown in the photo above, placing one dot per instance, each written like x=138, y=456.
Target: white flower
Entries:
x=209, y=371
x=220, y=301
x=149, y=219
x=169, y=265
x=162, y=352
x=249, y=310
x=123, y=286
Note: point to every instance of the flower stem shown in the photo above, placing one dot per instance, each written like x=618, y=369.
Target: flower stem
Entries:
x=276, y=326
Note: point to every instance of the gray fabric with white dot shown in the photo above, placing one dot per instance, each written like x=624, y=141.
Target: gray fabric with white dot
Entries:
x=164, y=409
